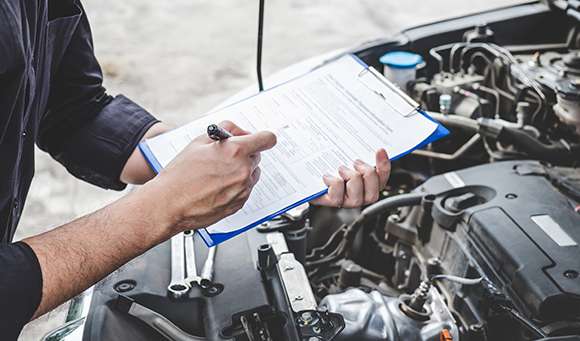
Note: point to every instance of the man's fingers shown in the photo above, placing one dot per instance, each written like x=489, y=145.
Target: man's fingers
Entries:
x=250, y=143
x=233, y=128
x=335, y=194
x=257, y=142
x=370, y=181
x=383, y=167
x=354, y=187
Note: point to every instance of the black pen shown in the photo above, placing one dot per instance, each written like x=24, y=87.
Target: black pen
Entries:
x=217, y=133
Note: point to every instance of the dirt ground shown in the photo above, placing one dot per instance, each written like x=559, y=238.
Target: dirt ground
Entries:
x=178, y=59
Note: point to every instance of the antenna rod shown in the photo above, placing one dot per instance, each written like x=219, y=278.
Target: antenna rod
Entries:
x=260, y=29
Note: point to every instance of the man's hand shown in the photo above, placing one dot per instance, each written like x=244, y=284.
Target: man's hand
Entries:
x=211, y=180
x=357, y=187
x=206, y=182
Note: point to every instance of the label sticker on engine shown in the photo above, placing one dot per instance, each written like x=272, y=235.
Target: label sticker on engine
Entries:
x=553, y=230
x=454, y=180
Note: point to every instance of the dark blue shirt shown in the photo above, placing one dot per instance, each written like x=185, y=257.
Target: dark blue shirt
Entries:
x=51, y=95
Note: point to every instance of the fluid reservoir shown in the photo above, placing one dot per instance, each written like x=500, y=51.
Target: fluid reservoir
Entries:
x=401, y=67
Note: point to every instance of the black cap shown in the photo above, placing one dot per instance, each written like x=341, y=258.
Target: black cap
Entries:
x=572, y=60
x=569, y=90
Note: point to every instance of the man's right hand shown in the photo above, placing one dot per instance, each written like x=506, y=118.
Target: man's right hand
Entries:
x=205, y=183
x=210, y=180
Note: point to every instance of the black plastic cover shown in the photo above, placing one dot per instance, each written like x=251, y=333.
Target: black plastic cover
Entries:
x=524, y=233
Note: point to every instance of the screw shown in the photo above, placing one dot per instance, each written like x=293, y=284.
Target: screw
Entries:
x=434, y=261
x=298, y=298
x=125, y=286
x=476, y=328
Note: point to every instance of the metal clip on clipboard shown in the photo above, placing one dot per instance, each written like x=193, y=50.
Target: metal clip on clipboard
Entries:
x=373, y=72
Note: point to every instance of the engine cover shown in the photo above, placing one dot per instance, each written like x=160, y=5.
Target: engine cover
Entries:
x=515, y=223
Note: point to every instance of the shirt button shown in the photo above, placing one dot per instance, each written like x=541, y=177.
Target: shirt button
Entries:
x=24, y=135
x=16, y=203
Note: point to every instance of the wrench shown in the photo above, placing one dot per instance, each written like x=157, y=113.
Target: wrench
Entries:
x=190, y=258
x=207, y=270
x=178, y=286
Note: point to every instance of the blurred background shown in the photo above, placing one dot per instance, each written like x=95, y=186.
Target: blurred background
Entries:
x=180, y=58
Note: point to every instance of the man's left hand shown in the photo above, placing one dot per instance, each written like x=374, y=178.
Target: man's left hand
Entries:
x=358, y=186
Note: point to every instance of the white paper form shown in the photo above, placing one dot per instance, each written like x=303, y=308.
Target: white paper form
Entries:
x=327, y=118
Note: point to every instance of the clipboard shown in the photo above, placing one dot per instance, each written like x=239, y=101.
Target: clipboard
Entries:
x=370, y=71
x=375, y=82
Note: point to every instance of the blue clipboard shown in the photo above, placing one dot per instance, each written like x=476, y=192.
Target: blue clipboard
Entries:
x=212, y=239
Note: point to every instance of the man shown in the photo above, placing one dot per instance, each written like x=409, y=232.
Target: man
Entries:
x=51, y=95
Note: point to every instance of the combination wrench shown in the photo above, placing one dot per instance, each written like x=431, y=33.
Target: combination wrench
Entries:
x=178, y=287
x=190, y=258
x=207, y=270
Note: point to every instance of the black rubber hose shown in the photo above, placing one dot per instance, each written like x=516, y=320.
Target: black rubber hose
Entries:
x=390, y=203
x=556, y=152
x=385, y=205
x=463, y=123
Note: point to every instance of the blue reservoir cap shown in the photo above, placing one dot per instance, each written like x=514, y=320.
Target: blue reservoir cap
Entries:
x=401, y=59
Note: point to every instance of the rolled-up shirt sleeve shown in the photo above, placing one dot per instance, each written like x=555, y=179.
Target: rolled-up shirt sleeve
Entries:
x=20, y=288
x=99, y=147
x=88, y=131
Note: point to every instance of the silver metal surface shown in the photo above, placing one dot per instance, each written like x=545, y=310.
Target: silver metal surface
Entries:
x=72, y=331
x=161, y=324
x=74, y=327
x=207, y=271
x=297, y=212
x=296, y=283
x=178, y=287
x=80, y=305
x=443, y=156
x=367, y=313
x=247, y=328
x=190, y=258
x=553, y=230
x=276, y=239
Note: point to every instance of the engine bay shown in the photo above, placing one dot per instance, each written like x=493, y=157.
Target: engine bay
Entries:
x=475, y=237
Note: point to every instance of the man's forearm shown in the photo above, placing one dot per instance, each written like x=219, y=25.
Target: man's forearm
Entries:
x=76, y=255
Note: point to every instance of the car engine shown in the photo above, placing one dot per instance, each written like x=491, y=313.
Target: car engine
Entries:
x=475, y=237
